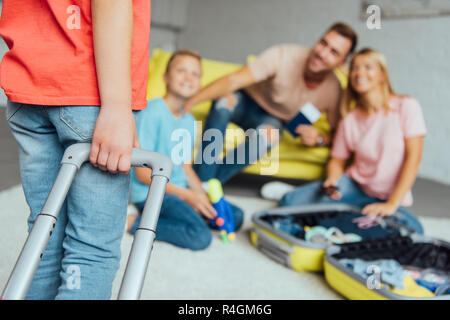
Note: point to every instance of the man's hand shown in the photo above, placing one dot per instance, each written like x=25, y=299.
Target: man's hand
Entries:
x=380, y=209
x=201, y=203
x=113, y=140
x=308, y=134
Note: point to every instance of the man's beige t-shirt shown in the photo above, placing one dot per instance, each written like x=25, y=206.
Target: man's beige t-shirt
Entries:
x=280, y=87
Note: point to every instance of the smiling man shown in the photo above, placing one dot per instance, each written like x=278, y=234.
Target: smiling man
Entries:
x=270, y=91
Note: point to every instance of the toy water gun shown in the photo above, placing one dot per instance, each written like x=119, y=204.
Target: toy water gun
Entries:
x=225, y=218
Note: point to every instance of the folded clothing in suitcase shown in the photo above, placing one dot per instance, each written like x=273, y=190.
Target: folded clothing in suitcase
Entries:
x=398, y=268
x=298, y=236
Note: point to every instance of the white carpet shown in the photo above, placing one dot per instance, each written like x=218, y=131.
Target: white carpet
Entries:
x=223, y=271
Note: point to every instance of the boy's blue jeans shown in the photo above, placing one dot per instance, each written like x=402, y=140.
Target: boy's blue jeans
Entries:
x=248, y=115
x=83, y=253
x=180, y=225
x=351, y=194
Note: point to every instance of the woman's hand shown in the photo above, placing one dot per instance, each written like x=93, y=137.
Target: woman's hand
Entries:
x=380, y=209
x=200, y=202
x=330, y=189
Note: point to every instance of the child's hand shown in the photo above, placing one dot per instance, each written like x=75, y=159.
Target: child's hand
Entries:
x=201, y=203
x=380, y=209
x=113, y=140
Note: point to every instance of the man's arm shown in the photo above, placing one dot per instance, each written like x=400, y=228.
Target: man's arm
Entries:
x=222, y=87
x=115, y=132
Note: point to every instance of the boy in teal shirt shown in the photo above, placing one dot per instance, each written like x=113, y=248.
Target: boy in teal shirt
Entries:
x=162, y=127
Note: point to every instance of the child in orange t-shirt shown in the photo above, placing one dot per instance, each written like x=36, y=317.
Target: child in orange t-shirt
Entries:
x=74, y=72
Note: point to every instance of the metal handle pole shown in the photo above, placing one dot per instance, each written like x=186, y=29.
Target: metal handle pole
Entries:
x=74, y=157
x=31, y=254
x=136, y=269
x=138, y=260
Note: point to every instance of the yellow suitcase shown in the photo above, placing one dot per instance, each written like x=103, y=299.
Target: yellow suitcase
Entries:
x=288, y=250
x=415, y=250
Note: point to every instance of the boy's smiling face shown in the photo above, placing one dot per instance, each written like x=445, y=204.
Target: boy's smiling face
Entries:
x=183, y=78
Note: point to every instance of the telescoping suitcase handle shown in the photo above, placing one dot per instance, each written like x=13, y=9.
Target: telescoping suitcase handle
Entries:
x=74, y=157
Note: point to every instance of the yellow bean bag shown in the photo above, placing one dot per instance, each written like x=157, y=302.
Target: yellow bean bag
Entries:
x=290, y=159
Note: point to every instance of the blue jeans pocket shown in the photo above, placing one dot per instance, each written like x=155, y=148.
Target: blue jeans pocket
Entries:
x=80, y=119
x=12, y=108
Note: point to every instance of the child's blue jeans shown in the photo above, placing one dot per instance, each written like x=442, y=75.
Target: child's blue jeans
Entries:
x=180, y=225
x=351, y=194
x=83, y=253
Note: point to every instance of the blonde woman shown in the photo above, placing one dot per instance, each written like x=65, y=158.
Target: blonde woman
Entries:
x=382, y=136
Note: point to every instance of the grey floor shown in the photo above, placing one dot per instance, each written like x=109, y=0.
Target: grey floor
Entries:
x=431, y=199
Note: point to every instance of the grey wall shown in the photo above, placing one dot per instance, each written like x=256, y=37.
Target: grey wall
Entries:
x=229, y=30
x=169, y=17
x=417, y=50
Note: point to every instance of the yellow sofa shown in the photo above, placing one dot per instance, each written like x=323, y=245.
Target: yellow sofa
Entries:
x=290, y=159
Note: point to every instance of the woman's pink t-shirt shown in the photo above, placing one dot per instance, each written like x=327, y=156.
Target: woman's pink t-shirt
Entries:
x=378, y=145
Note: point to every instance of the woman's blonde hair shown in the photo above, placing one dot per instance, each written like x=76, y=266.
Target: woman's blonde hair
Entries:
x=350, y=98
